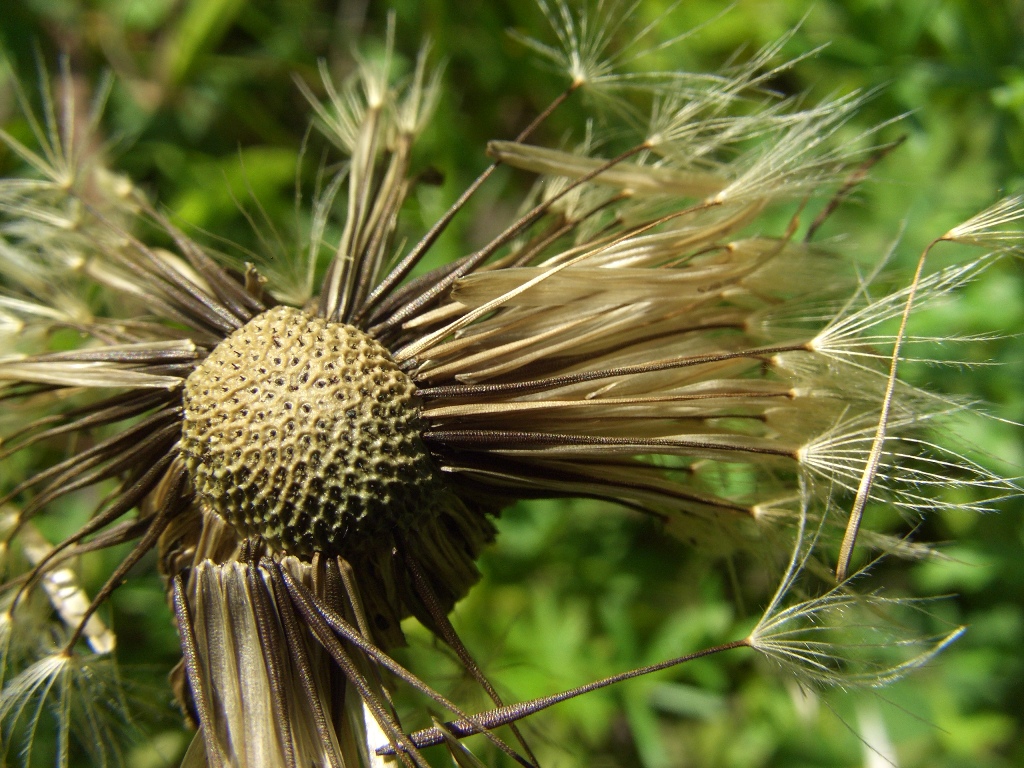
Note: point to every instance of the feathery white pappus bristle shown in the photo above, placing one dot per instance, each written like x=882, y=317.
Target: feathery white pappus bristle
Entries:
x=989, y=229
x=83, y=695
x=843, y=637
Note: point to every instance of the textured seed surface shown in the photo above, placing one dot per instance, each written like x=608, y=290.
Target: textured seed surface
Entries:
x=306, y=433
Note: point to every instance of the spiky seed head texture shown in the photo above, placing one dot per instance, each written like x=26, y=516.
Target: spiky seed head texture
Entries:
x=306, y=433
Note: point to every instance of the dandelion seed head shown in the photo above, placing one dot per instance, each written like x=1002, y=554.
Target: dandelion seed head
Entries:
x=312, y=473
x=305, y=433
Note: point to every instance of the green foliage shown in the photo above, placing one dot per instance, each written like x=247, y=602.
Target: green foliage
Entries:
x=204, y=113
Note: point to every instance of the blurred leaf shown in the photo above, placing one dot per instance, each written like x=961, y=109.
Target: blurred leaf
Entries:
x=201, y=25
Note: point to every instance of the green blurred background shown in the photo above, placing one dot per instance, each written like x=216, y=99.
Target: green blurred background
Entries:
x=204, y=113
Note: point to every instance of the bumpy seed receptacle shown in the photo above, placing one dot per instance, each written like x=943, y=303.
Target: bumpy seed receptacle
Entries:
x=306, y=434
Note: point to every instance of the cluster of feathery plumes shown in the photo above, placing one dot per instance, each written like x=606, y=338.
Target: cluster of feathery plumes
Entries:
x=633, y=337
